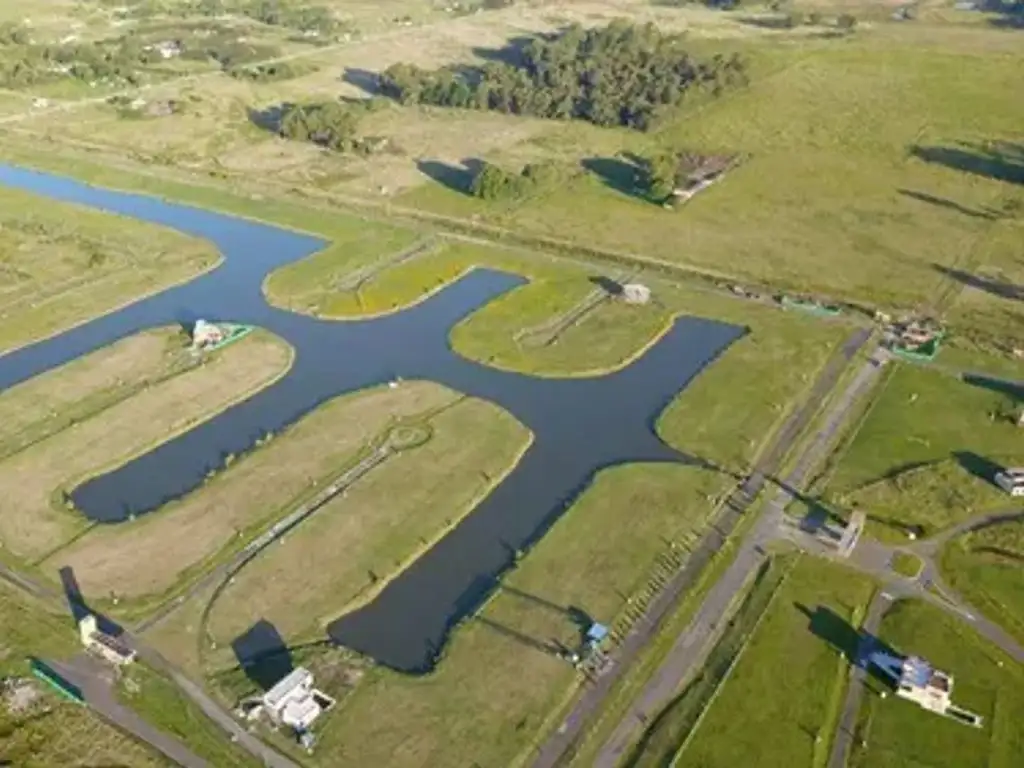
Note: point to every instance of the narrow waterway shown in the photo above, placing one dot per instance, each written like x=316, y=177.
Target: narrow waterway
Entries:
x=580, y=425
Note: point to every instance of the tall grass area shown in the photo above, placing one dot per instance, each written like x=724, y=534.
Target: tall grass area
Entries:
x=893, y=732
x=987, y=568
x=777, y=707
x=927, y=453
x=835, y=196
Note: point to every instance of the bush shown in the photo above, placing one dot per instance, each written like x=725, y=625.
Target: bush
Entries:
x=494, y=183
x=846, y=22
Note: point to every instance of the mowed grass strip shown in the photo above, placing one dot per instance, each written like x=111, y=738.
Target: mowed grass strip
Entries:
x=152, y=554
x=361, y=539
x=894, y=732
x=54, y=731
x=32, y=521
x=49, y=403
x=62, y=264
x=775, y=705
x=927, y=453
x=490, y=696
x=987, y=568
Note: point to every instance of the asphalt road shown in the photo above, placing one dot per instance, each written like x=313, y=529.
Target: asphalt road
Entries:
x=732, y=512
x=695, y=642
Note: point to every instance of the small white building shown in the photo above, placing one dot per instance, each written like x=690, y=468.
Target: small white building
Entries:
x=1011, y=480
x=918, y=681
x=293, y=701
x=205, y=334
x=103, y=645
x=635, y=293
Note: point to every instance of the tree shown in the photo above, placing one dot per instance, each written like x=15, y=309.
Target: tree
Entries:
x=657, y=175
x=846, y=22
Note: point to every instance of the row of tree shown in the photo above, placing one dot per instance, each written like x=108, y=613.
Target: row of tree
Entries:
x=622, y=74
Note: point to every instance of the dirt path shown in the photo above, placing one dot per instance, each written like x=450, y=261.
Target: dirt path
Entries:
x=735, y=507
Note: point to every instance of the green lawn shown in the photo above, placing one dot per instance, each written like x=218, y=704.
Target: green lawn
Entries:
x=780, y=698
x=899, y=733
x=927, y=451
x=906, y=564
x=985, y=567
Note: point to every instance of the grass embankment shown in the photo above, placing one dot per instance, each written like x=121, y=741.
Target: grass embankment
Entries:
x=774, y=710
x=301, y=584
x=159, y=551
x=160, y=703
x=927, y=452
x=670, y=729
x=63, y=264
x=893, y=732
x=127, y=419
x=987, y=568
x=52, y=730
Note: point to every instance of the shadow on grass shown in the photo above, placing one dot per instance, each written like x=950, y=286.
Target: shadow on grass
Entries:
x=269, y=118
x=853, y=644
x=512, y=53
x=1000, y=288
x=79, y=608
x=979, y=466
x=941, y=202
x=611, y=287
x=458, y=178
x=1010, y=389
x=616, y=173
x=263, y=654
x=549, y=647
x=1000, y=554
x=1002, y=161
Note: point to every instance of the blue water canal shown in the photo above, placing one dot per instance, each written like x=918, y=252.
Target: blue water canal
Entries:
x=580, y=425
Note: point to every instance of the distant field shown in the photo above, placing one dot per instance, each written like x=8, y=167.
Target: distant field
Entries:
x=62, y=264
x=985, y=568
x=928, y=451
x=893, y=732
x=53, y=731
x=780, y=698
x=119, y=419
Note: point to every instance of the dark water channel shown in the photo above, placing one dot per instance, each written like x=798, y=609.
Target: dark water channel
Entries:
x=580, y=425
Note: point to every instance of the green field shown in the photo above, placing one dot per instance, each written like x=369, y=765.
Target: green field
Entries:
x=778, y=705
x=899, y=733
x=985, y=568
x=927, y=452
x=62, y=264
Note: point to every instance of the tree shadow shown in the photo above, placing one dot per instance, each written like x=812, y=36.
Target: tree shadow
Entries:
x=549, y=647
x=979, y=466
x=766, y=22
x=611, y=287
x=1000, y=288
x=618, y=174
x=941, y=202
x=1001, y=160
x=511, y=54
x=363, y=79
x=1010, y=389
x=263, y=654
x=458, y=178
x=79, y=608
x=269, y=119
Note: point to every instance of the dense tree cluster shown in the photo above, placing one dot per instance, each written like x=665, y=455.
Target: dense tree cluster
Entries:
x=264, y=73
x=330, y=124
x=116, y=61
x=622, y=74
x=276, y=13
x=492, y=182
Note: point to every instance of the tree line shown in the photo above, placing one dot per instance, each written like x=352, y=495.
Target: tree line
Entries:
x=622, y=74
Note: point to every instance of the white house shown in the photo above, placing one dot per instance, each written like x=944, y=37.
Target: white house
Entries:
x=1011, y=480
x=293, y=701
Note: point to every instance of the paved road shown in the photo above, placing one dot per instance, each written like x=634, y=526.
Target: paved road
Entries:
x=845, y=730
x=694, y=643
x=647, y=626
x=93, y=678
